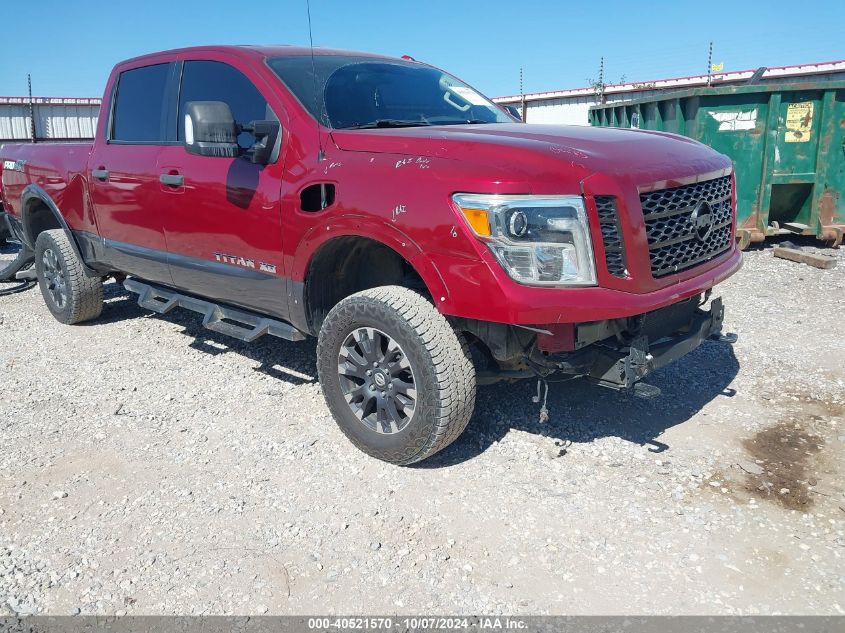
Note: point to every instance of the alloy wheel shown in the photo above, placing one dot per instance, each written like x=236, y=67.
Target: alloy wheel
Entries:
x=54, y=277
x=377, y=380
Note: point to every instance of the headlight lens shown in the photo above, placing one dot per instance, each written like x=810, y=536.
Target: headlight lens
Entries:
x=538, y=240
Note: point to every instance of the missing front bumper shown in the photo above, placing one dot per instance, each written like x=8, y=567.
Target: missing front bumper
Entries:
x=662, y=338
x=622, y=367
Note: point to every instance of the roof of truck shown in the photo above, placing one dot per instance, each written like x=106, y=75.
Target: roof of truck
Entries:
x=280, y=50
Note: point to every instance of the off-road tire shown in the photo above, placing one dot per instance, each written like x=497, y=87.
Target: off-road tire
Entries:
x=441, y=364
x=84, y=295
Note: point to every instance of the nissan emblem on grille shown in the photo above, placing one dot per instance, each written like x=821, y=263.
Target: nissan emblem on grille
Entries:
x=702, y=220
x=687, y=225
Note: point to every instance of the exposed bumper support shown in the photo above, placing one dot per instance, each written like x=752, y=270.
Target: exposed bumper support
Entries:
x=622, y=367
x=619, y=366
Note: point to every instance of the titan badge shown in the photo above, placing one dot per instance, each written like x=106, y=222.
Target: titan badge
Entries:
x=245, y=262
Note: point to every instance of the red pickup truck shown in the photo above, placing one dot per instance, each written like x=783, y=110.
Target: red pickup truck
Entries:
x=429, y=240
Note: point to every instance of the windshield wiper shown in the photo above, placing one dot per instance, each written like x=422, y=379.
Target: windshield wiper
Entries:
x=387, y=123
x=467, y=122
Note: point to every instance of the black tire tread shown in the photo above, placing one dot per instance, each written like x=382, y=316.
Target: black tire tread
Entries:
x=454, y=372
x=85, y=293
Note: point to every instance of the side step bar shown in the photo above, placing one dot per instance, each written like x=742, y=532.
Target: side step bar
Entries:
x=218, y=318
x=27, y=275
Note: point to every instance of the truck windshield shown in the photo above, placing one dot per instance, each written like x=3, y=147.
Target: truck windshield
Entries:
x=346, y=92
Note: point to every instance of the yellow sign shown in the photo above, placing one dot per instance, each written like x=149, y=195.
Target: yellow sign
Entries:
x=717, y=67
x=799, y=122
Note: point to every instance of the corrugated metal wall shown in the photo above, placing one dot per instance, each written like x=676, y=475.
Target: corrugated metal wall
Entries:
x=55, y=119
x=573, y=106
x=573, y=110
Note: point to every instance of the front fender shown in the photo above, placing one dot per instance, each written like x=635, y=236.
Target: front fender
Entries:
x=383, y=232
x=359, y=226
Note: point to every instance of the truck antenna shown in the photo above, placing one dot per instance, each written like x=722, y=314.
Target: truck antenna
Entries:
x=320, y=155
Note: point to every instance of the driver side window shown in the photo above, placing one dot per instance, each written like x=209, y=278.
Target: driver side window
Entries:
x=218, y=81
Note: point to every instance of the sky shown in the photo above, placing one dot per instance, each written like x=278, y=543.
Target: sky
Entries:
x=70, y=47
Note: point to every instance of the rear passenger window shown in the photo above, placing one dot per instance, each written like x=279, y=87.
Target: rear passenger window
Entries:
x=139, y=105
x=216, y=81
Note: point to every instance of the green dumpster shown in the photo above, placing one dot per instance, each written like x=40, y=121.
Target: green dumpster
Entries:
x=787, y=142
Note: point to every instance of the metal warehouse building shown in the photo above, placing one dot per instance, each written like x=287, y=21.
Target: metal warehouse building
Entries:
x=572, y=107
x=56, y=118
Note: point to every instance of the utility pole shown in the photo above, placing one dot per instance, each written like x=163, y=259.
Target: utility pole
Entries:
x=31, y=109
x=521, y=96
x=710, y=65
x=601, y=82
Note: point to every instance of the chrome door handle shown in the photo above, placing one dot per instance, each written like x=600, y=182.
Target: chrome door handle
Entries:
x=100, y=174
x=172, y=180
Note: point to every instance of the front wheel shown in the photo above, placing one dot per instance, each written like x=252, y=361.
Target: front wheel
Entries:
x=395, y=375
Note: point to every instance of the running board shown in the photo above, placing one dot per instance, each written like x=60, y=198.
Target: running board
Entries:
x=27, y=275
x=218, y=318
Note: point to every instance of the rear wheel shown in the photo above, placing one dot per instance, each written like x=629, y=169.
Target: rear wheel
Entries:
x=397, y=378
x=69, y=293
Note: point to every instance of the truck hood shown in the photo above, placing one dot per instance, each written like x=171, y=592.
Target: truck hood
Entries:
x=645, y=156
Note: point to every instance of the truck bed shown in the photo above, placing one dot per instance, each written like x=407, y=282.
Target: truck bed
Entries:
x=57, y=168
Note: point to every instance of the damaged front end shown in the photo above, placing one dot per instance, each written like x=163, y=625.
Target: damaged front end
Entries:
x=615, y=353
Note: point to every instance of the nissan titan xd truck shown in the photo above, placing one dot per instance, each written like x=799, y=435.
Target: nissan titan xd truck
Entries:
x=429, y=240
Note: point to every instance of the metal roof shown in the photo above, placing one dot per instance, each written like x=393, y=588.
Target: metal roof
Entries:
x=683, y=82
x=51, y=100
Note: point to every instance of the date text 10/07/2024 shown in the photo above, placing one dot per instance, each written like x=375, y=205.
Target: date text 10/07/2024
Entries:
x=418, y=623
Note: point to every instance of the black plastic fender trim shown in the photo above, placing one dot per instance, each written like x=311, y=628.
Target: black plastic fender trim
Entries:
x=35, y=192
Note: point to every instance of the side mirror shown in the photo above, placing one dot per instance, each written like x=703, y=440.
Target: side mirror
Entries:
x=210, y=130
x=513, y=111
x=266, y=133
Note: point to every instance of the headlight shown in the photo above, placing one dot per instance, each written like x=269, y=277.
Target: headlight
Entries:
x=538, y=240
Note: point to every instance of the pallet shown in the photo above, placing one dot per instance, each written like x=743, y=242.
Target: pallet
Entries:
x=811, y=259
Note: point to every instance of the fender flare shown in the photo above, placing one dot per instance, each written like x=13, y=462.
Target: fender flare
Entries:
x=358, y=226
x=35, y=193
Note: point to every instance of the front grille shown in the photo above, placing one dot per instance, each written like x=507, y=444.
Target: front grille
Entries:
x=675, y=243
x=611, y=235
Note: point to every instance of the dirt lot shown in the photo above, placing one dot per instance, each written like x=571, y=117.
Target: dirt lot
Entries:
x=148, y=466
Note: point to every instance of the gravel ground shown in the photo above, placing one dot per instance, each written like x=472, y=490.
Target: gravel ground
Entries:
x=151, y=467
